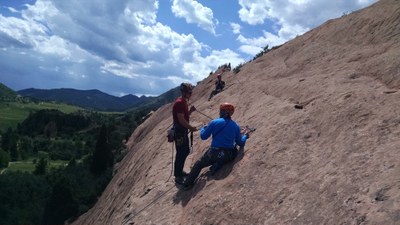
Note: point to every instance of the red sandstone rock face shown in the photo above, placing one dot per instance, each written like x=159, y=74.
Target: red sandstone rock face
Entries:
x=334, y=160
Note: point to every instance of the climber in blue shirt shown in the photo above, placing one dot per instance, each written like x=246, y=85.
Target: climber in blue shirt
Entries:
x=225, y=135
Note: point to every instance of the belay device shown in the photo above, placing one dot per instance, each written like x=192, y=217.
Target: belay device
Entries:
x=171, y=135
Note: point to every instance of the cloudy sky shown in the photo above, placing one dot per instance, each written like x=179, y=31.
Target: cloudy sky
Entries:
x=144, y=46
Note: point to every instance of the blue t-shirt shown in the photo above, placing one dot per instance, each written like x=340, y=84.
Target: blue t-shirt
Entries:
x=225, y=133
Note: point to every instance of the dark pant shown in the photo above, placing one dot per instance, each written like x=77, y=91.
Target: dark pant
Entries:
x=214, y=92
x=215, y=157
x=182, y=151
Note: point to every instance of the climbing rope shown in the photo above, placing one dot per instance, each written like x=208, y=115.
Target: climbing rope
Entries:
x=172, y=162
x=204, y=115
x=130, y=217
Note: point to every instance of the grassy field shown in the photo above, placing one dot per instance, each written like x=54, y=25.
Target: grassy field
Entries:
x=28, y=166
x=12, y=113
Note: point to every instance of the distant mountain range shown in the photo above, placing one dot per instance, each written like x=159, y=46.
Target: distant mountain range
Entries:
x=91, y=99
x=6, y=93
x=97, y=100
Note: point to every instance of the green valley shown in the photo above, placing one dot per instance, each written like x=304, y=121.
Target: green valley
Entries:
x=13, y=112
x=62, y=155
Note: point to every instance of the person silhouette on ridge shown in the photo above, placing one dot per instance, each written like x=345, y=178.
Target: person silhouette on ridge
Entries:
x=219, y=86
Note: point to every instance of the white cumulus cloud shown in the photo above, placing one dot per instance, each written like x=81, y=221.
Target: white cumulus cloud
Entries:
x=289, y=18
x=193, y=12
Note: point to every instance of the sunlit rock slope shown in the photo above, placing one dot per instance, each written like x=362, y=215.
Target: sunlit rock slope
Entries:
x=332, y=159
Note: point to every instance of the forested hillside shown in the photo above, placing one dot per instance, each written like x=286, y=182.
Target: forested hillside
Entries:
x=6, y=93
x=100, y=101
x=54, y=165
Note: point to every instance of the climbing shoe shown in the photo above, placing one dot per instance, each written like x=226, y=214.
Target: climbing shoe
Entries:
x=214, y=168
x=187, y=187
x=184, y=174
x=179, y=180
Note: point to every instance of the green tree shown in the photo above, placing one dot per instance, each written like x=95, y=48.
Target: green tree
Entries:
x=4, y=159
x=62, y=204
x=9, y=142
x=25, y=147
x=41, y=167
x=12, y=145
x=22, y=198
x=102, y=156
x=266, y=49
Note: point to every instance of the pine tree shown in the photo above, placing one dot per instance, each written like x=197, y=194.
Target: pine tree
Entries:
x=41, y=167
x=4, y=159
x=102, y=156
x=9, y=143
x=61, y=205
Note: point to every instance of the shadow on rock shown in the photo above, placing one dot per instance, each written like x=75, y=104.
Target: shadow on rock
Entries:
x=227, y=168
x=184, y=196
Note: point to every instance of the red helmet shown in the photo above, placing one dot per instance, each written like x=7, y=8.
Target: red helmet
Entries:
x=219, y=75
x=227, y=108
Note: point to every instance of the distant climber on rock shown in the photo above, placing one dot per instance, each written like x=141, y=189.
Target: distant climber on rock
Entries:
x=180, y=114
x=219, y=86
x=225, y=133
